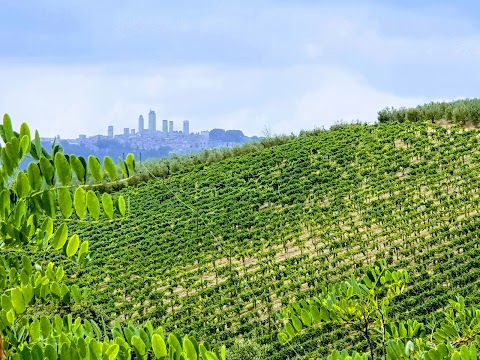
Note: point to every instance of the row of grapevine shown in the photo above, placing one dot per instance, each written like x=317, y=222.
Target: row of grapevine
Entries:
x=218, y=250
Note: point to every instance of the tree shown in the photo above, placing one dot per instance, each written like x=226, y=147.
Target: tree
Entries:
x=36, y=206
x=363, y=306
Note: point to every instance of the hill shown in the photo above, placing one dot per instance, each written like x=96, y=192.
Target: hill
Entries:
x=219, y=249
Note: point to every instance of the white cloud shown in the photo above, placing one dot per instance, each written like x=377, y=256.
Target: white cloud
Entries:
x=299, y=91
x=345, y=97
x=70, y=101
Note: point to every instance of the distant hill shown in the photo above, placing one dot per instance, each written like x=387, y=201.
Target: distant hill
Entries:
x=105, y=148
x=219, y=249
x=112, y=148
x=232, y=136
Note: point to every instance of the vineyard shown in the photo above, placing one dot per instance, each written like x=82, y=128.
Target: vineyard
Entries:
x=221, y=249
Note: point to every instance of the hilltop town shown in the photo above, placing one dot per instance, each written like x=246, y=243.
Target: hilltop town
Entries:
x=148, y=142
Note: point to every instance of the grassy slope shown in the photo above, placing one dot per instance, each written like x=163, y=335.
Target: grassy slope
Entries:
x=278, y=224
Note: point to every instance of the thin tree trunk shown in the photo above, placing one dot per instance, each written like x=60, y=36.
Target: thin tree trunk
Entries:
x=368, y=338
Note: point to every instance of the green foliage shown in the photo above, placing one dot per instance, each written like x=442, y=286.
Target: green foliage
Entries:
x=110, y=168
x=465, y=111
x=95, y=168
x=364, y=306
x=247, y=349
x=360, y=304
x=29, y=203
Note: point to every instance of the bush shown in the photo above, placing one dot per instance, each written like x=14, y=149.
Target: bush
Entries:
x=247, y=349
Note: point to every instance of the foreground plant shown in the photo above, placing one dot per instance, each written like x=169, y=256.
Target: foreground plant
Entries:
x=36, y=206
x=363, y=306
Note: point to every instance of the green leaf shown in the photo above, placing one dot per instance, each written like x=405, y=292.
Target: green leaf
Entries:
x=58, y=323
x=80, y=202
x=6, y=302
x=107, y=203
x=22, y=185
x=47, y=227
x=7, y=127
x=130, y=161
x=79, y=168
x=13, y=148
x=73, y=245
x=82, y=346
x=5, y=203
x=6, y=162
x=138, y=344
x=110, y=168
x=173, y=342
x=11, y=316
x=37, y=352
x=297, y=324
x=63, y=168
x=315, y=314
x=27, y=264
x=95, y=168
x=25, y=131
x=306, y=319
x=283, y=338
x=38, y=145
x=456, y=356
x=50, y=352
x=93, y=204
x=77, y=297
x=60, y=237
x=20, y=213
x=203, y=351
x=122, y=207
x=82, y=253
x=159, y=346
x=48, y=171
x=25, y=354
x=324, y=313
x=123, y=167
x=112, y=351
x=55, y=289
x=290, y=330
x=465, y=352
x=18, y=301
x=25, y=145
x=95, y=349
x=35, y=330
x=60, y=273
x=211, y=355
x=189, y=349
x=402, y=330
x=34, y=176
x=46, y=327
x=27, y=292
x=65, y=202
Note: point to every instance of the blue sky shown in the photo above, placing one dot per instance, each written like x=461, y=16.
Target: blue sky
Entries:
x=69, y=68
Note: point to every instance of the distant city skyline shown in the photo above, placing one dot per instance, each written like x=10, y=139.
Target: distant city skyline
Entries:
x=168, y=127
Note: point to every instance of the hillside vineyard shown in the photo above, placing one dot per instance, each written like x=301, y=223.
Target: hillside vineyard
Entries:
x=218, y=250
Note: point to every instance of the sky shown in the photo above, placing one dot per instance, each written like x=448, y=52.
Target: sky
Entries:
x=70, y=68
